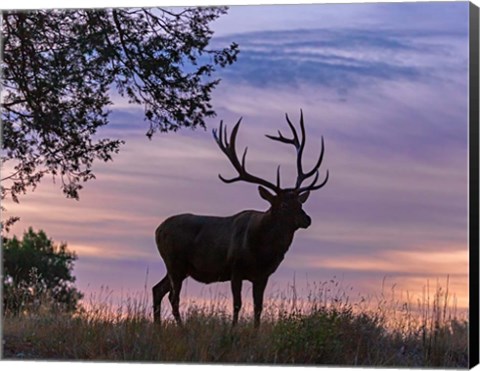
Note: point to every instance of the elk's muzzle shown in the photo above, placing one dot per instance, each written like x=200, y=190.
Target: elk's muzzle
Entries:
x=304, y=221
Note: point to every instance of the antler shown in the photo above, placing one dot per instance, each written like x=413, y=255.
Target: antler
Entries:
x=299, y=144
x=228, y=147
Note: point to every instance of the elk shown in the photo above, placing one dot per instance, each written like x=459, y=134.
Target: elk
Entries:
x=249, y=245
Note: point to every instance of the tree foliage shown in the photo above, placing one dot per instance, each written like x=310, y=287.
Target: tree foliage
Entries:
x=35, y=268
x=59, y=67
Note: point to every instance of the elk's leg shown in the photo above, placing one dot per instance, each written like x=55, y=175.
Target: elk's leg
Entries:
x=236, y=284
x=258, y=290
x=159, y=291
x=174, y=296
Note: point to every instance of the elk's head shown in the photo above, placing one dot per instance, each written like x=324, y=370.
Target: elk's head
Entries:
x=286, y=206
x=286, y=203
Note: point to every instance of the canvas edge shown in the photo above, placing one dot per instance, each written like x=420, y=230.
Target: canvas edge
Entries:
x=474, y=185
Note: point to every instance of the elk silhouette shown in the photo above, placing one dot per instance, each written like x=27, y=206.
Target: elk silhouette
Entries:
x=249, y=245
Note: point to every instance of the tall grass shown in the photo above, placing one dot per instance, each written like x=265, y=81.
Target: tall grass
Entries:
x=325, y=327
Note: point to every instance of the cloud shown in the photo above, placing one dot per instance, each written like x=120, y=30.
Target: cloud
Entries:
x=346, y=58
x=422, y=17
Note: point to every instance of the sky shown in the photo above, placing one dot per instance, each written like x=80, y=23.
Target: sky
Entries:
x=386, y=85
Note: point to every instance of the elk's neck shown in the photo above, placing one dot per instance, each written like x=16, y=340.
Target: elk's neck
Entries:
x=276, y=232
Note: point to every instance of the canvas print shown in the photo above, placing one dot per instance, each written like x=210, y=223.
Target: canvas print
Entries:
x=258, y=184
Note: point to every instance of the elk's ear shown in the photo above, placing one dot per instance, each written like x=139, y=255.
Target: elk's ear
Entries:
x=303, y=197
x=266, y=195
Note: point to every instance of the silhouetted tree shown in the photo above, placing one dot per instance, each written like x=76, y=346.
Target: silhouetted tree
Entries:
x=59, y=66
x=36, y=269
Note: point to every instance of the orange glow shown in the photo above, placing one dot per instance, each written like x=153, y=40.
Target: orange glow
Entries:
x=454, y=262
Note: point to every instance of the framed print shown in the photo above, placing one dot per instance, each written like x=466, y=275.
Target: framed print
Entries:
x=242, y=184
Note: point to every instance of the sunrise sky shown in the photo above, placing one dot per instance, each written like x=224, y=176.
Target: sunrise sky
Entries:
x=387, y=87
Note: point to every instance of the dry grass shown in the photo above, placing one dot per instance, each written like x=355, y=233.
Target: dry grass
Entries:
x=320, y=329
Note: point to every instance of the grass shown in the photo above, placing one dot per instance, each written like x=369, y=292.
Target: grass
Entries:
x=320, y=330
